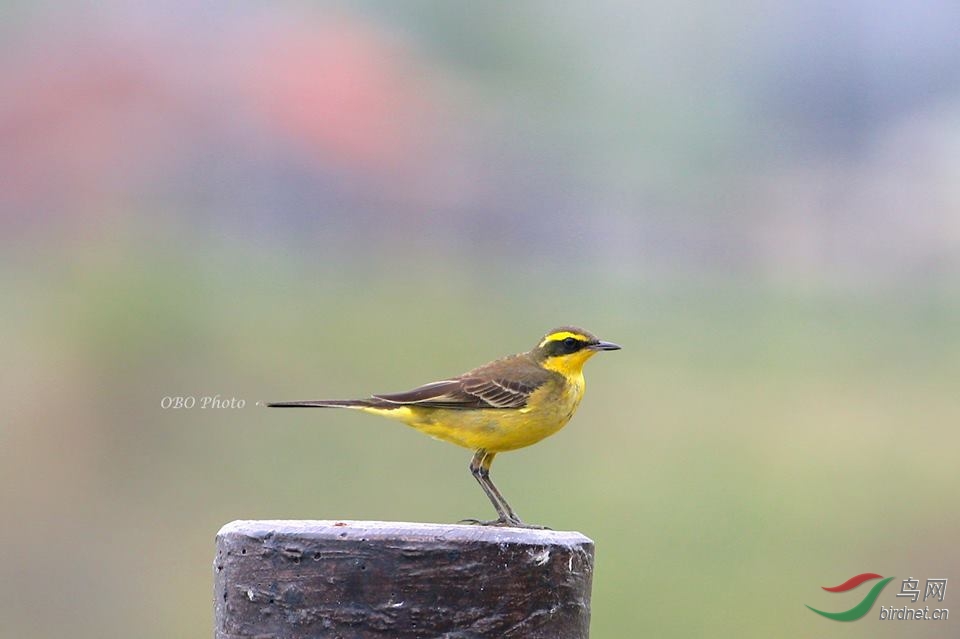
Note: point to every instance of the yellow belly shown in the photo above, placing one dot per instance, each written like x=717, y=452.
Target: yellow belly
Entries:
x=496, y=430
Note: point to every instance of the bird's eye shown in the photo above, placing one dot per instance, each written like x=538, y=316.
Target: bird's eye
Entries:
x=571, y=345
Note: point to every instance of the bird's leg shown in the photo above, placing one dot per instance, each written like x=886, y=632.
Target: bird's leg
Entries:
x=480, y=468
x=484, y=476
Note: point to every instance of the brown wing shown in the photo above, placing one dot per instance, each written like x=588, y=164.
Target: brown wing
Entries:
x=505, y=383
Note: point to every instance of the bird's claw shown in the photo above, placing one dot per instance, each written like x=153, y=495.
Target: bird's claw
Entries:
x=503, y=522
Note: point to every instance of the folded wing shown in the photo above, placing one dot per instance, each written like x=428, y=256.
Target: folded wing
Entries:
x=482, y=388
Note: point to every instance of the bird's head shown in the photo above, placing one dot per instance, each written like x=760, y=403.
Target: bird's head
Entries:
x=567, y=348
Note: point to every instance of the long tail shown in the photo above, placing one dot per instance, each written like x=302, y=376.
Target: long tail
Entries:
x=330, y=403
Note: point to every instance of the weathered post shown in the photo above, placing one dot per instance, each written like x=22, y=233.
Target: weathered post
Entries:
x=368, y=579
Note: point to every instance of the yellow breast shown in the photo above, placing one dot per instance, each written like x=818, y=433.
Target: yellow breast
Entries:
x=548, y=410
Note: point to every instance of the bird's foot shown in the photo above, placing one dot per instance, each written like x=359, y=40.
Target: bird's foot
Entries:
x=503, y=522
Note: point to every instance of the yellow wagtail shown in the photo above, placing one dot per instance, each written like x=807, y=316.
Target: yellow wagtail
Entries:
x=507, y=404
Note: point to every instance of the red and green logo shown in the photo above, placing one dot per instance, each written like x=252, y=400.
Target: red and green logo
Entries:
x=861, y=608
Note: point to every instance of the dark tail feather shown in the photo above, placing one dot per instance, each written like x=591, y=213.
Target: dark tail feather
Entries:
x=325, y=403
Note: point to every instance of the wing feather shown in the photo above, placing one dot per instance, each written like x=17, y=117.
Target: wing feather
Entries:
x=506, y=383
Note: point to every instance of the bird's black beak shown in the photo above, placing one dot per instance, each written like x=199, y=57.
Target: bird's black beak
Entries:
x=604, y=346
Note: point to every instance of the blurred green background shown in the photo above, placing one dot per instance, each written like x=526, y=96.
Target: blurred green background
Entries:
x=759, y=201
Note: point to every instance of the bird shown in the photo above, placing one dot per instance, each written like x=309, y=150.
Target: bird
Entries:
x=506, y=404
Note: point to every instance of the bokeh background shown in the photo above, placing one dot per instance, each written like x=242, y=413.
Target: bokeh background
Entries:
x=760, y=201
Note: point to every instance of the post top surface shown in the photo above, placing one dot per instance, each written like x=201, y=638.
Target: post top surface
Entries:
x=398, y=530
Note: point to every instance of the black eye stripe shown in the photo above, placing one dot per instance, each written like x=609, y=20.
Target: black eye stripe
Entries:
x=565, y=346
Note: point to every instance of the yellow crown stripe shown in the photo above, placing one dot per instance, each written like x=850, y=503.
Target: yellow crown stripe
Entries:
x=562, y=335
